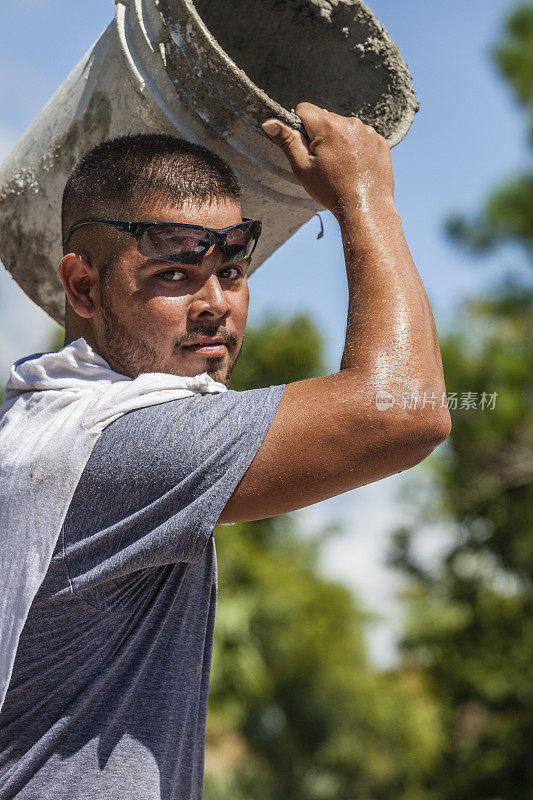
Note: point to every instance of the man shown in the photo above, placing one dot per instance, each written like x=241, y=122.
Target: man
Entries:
x=109, y=688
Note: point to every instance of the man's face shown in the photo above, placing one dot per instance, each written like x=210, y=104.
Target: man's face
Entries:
x=156, y=316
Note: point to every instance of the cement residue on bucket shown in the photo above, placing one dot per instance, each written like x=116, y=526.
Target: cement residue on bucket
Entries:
x=333, y=53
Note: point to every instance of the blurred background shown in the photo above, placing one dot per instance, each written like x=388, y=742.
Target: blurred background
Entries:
x=378, y=645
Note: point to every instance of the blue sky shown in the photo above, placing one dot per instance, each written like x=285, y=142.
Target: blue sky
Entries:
x=468, y=136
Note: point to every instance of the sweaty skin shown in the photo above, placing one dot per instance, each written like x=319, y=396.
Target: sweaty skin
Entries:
x=328, y=434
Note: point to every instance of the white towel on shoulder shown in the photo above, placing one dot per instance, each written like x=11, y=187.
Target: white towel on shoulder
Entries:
x=57, y=405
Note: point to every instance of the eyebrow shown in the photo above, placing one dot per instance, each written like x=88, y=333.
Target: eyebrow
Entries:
x=151, y=262
x=154, y=262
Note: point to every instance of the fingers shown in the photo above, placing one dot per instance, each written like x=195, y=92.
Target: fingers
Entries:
x=313, y=118
x=291, y=141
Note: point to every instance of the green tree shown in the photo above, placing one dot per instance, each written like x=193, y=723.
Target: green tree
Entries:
x=470, y=623
x=469, y=627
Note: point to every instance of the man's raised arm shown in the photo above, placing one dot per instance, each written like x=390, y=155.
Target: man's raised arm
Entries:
x=328, y=434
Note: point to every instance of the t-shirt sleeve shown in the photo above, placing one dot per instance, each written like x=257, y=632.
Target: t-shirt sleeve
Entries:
x=157, y=481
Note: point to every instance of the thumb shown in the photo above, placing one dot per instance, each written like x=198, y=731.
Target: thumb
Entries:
x=291, y=141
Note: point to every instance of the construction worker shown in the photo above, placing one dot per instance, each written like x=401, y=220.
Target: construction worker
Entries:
x=121, y=452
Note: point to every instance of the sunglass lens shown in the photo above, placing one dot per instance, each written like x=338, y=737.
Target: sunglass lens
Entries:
x=178, y=245
x=240, y=242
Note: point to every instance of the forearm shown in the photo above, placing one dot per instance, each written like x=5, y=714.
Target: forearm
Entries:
x=391, y=339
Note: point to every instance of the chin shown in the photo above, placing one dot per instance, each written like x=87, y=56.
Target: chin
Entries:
x=219, y=374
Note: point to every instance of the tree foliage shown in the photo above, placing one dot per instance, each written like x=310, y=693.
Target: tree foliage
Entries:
x=469, y=627
x=470, y=623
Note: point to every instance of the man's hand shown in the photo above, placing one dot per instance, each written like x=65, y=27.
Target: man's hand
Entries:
x=345, y=167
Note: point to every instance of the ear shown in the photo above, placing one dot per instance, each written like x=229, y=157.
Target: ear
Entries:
x=79, y=278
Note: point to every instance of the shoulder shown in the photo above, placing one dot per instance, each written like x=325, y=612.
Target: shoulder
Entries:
x=179, y=435
x=201, y=411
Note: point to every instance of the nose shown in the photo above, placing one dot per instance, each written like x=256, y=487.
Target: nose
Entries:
x=209, y=301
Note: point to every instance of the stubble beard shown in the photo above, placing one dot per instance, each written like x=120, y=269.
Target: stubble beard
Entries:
x=126, y=350
x=135, y=356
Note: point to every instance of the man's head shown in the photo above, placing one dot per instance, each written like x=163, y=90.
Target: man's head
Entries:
x=142, y=314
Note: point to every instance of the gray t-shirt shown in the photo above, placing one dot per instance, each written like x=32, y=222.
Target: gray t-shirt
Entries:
x=108, y=696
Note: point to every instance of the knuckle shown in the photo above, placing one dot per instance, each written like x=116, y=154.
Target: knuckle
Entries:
x=286, y=139
x=304, y=106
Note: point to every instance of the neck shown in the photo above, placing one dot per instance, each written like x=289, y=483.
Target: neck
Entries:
x=75, y=327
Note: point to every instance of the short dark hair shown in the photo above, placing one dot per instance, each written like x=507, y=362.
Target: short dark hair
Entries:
x=130, y=170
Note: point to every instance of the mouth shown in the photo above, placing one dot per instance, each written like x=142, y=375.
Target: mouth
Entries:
x=207, y=346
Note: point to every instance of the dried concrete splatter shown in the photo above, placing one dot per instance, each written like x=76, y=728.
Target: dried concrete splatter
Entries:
x=333, y=53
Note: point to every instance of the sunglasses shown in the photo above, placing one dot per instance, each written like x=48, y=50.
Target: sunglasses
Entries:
x=182, y=243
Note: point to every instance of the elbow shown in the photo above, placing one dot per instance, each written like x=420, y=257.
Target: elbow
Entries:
x=426, y=434
x=436, y=428
x=429, y=432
